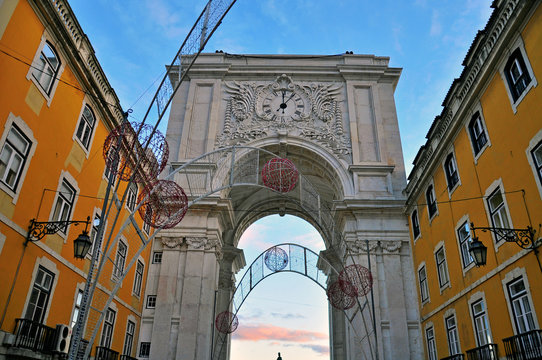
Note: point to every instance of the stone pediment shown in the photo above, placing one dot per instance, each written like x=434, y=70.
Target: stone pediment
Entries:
x=307, y=110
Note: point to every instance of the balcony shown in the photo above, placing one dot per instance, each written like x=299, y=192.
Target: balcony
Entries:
x=526, y=346
x=127, y=357
x=454, y=357
x=34, y=336
x=103, y=353
x=485, y=352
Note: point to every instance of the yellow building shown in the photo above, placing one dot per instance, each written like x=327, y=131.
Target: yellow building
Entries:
x=482, y=165
x=56, y=109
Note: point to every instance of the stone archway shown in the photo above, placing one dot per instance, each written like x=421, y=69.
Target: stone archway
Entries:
x=342, y=134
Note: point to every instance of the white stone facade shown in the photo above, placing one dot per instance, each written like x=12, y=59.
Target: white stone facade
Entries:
x=339, y=127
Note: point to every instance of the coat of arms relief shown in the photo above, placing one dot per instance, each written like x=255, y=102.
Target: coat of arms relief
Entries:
x=307, y=110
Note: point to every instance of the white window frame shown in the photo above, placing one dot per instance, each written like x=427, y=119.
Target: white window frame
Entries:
x=431, y=342
x=440, y=247
x=11, y=121
x=131, y=197
x=420, y=284
x=130, y=320
x=107, y=339
x=51, y=267
x=45, y=38
x=445, y=168
x=477, y=110
x=85, y=148
x=76, y=305
x=516, y=44
x=475, y=298
x=448, y=314
x=136, y=288
x=117, y=271
x=497, y=184
x=415, y=211
x=464, y=220
x=154, y=259
x=150, y=302
x=434, y=194
x=535, y=141
x=453, y=344
x=510, y=276
x=147, y=348
x=69, y=179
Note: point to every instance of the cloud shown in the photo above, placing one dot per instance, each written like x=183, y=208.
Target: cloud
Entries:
x=287, y=316
x=436, y=26
x=276, y=333
x=320, y=349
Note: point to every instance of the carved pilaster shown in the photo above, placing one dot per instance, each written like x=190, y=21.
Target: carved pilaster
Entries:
x=171, y=242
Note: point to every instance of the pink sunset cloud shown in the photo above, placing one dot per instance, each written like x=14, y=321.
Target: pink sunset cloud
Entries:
x=276, y=333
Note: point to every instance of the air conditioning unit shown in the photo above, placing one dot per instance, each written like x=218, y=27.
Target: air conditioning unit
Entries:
x=62, y=338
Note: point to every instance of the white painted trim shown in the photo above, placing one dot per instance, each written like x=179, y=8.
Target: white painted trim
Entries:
x=429, y=217
x=477, y=108
x=50, y=266
x=464, y=219
x=514, y=274
x=442, y=246
x=451, y=312
x=80, y=118
x=443, y=164
x=516, y=44
x=428, y=300
x=27, y=131
x=64, y=175
x=537, y=139
x=497, y=184
x=479, y=295
x=415, y=238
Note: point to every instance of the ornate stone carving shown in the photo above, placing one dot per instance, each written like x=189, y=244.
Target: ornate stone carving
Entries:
x=171, y=242
x=200, y=242
x=360, y=246
x=390, y=246
x=311, y=111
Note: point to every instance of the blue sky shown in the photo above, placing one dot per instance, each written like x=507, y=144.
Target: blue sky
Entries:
x=135, y=39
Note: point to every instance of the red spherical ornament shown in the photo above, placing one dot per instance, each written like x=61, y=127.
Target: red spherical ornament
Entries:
x=338, y=298
x=359, y=277
x=163, y=204
x=226, y=322
x=280, y=175
x=125, y=156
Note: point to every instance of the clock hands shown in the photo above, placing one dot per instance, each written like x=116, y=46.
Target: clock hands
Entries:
x=284, y=105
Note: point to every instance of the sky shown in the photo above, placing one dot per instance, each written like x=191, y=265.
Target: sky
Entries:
x=135, y=39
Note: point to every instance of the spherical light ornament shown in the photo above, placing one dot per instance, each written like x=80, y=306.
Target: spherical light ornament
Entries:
x=359, y=277
x=226, y=322
x=124, y=151
x=163, y=204
x=338, y=298
x=280, y=175
x=276, y=259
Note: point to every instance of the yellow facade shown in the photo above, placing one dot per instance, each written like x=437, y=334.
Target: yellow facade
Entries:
x=52, y=130
x=499, y=184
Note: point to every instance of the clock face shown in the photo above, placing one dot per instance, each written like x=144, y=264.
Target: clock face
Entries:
x=283, y=104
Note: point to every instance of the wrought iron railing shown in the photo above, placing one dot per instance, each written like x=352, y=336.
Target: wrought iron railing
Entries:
x=526, y=346
x=103, y=353
x=454, y=357
x=34, y=336
x=127, y=357
x=485, y=352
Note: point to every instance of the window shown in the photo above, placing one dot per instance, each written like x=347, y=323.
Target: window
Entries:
x=151, y=302
x=157, y=257
x=138, y=278
x=112, y=160
x=424, y=291
x=131, y=198
x=517, y=75
x=145, y=349
x=39, y=297
x=415, y=224
x=76, y=307
x=46, y=68
x=146, y=224
x=464, y=241
x=453, y=337
x=477, y=133
x=442, y=269
x=450, y=168
x=129, y=338
x=431, y=346
x=431, y=201
x=86, y=127
x=521, y=308
x=107, y=332
x=64, y=203
x=536, y=153
x=481, y=326
x=497, y=211
x=13, y=157
x=120, y=259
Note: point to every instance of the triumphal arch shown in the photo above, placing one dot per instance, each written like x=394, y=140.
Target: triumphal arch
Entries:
x=334, y=119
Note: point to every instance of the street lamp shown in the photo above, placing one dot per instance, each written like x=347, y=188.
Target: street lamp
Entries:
x=525, y=238
x=38, y=229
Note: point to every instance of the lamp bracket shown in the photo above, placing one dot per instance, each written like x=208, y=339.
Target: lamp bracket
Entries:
x=525, y=238
x=38, y=229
